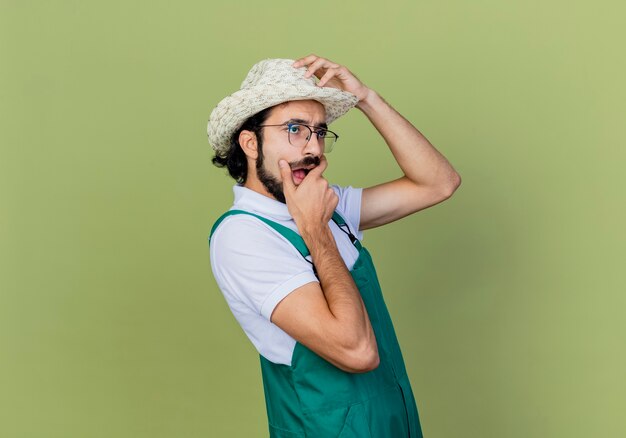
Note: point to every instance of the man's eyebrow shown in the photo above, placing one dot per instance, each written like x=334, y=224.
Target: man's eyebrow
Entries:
x=306, y=122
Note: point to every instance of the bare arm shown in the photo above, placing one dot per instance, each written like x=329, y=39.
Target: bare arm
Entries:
x=428, y=176
x=328, y=317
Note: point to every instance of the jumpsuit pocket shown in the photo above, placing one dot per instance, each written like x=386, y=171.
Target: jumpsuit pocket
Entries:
x=356, y=424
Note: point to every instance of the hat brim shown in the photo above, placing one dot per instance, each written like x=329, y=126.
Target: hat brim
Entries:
x=232, y=111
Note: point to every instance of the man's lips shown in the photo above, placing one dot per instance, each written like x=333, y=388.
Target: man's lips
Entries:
x=299, y=173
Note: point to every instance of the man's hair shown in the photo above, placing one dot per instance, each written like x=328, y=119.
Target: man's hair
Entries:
x=235, y=159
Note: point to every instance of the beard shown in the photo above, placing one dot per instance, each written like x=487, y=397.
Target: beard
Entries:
x=273, y=184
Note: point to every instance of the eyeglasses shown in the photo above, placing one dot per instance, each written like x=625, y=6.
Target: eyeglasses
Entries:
x=300, y=134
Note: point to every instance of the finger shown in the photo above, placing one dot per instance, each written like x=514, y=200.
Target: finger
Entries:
x=329, y=74
x=332, y=196
x=325, y=67
x=305, y=60
x=334, y=199
x=309, y=59
x=285, y=172
x=319, y=62
x=324, y=70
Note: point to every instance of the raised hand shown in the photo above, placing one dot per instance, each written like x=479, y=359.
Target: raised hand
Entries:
x=332, y=75
x=311, y=203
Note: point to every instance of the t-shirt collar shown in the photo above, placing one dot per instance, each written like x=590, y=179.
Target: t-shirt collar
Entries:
x=249, y=200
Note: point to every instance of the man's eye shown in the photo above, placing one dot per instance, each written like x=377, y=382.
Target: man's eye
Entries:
x=293, y=128
x=321, y=134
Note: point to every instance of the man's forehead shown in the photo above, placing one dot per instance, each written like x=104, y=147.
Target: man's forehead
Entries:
x=307, y=112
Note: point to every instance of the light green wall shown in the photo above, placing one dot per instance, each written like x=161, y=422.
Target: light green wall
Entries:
x=508, y=298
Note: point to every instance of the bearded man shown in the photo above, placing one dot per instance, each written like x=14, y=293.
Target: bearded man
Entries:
x=288, y=257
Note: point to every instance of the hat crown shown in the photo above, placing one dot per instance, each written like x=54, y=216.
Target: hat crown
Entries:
x=276, y=72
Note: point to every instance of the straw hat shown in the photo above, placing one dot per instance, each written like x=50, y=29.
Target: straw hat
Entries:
x=268, y=83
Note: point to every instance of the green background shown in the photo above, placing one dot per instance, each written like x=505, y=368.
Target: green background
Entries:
x=508, y=298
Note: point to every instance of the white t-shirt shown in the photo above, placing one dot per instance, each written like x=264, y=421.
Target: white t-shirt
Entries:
x=256, y=267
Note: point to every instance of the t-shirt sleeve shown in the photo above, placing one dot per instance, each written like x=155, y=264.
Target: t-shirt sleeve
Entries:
x=254, y=264
x=349, y=206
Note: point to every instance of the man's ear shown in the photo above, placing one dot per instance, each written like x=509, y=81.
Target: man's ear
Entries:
x=248, y=143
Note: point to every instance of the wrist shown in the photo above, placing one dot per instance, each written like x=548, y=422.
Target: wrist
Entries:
x=368, y=100
x=313, y=234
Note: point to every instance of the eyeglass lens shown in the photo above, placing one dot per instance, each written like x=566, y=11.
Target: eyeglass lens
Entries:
x=299, y=135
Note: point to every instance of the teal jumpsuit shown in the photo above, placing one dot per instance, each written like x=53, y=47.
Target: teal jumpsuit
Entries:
x=313, y=398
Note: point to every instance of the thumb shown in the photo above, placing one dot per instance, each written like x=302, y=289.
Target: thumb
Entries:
x=285, y=173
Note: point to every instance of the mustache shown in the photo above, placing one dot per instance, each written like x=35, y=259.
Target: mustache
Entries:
x=306, y=161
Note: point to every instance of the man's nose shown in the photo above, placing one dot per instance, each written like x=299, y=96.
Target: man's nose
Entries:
x=314, y=146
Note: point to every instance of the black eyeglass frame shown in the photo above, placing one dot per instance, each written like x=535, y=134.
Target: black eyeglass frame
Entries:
x=311, y=131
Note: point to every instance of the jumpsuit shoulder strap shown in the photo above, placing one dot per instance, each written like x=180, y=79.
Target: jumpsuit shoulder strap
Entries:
x=341, y=223
x=293, y=237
